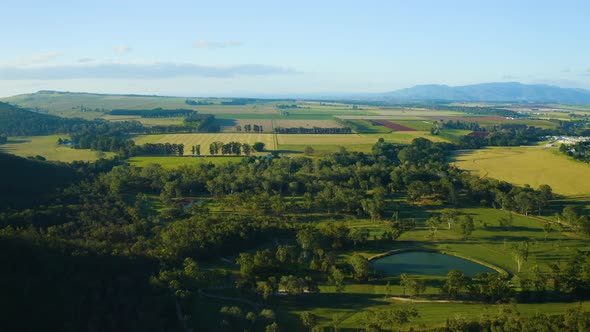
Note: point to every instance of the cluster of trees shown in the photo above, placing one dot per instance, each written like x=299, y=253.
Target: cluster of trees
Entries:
x=15, y=121
x=197, y=102
x=154, y=113
x=287, y=106
x=509, y=319
x=314, y=130
x=235, y=148
x=3, y=138
x=251, y=128
x=450, y=124
x=489, y=287
x=579, y=151
x=158, y=149
x=505, y=135
x=239, y=101
x=106, y=136
x=201, y=122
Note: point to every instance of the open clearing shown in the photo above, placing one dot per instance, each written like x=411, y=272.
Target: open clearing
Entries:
x=528, y=165
x=354, y=139
x=175, y=162
x=47, y=147
x=206, y=139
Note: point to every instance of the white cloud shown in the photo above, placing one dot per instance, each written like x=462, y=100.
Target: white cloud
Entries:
x=85, y=60
x=138, y=71
x=122, y=49
x=216, y=44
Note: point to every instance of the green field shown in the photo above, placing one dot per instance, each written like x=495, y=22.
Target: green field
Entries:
x=528, y=165
x=47, y=147
x=206, y=139
x=175, y=162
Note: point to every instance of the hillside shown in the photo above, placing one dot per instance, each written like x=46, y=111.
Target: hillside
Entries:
x=491, y=92
x=15, y=121
x=26, y=182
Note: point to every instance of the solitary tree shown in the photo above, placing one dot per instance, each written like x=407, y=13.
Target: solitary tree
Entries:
x=336, y=279
x=309, y=320
x=361, y=266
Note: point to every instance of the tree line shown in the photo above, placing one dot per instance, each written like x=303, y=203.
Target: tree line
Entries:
x=314, y=130
x=154, y=113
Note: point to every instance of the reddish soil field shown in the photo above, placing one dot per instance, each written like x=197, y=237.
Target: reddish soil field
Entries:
x=392, y=125
x=468, y=118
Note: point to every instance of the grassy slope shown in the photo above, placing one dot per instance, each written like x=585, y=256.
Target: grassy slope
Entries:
x=528, y=165
x=47, y=147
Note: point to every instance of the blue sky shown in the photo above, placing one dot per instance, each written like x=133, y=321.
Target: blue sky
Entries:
x=230, y=48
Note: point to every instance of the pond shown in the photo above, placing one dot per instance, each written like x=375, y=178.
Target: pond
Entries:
x=427, y=263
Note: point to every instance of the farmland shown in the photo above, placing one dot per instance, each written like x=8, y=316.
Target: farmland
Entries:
x=528, y=165
x=214, y=208
x=206, y=139
x=392, y=125
x=47, y=147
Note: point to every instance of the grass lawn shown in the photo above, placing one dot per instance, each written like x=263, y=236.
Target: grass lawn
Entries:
x=47, y=147
x=528, y=165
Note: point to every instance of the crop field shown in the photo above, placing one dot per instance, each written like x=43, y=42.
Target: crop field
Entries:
x=206, y=139
x=393, y=126
x=528, y=165
x=354, y=139
x=47, y=147
x=415, y=112
x=421, y=125
x=366, y=127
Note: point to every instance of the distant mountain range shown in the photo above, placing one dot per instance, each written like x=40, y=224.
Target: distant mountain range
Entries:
x=510, y=92
x=489, y=92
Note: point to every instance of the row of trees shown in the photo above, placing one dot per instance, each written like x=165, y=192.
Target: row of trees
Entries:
x=159, y=149
x=314, y=130
x=235, y=148
x=154, y=113
x=250, y=128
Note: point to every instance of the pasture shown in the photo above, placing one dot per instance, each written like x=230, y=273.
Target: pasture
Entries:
x=528, y=165
x=352, y=139
x=47, y=147
x=206, y=139
x=175, y=162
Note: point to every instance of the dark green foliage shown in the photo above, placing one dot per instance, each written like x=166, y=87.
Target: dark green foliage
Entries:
x=26, y=182
x=154, y=113
x=15, y=121
x=314, y=130
x=53, y=288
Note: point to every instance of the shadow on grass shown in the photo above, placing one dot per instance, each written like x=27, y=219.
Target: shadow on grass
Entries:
x=512, y=229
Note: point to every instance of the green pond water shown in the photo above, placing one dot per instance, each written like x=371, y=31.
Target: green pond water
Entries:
x=427, y=263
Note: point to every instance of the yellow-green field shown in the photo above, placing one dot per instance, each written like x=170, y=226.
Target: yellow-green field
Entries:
x=354, y=139
x=206, y=139
x=528, y=165
x=175, y=162
x=47, y=147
